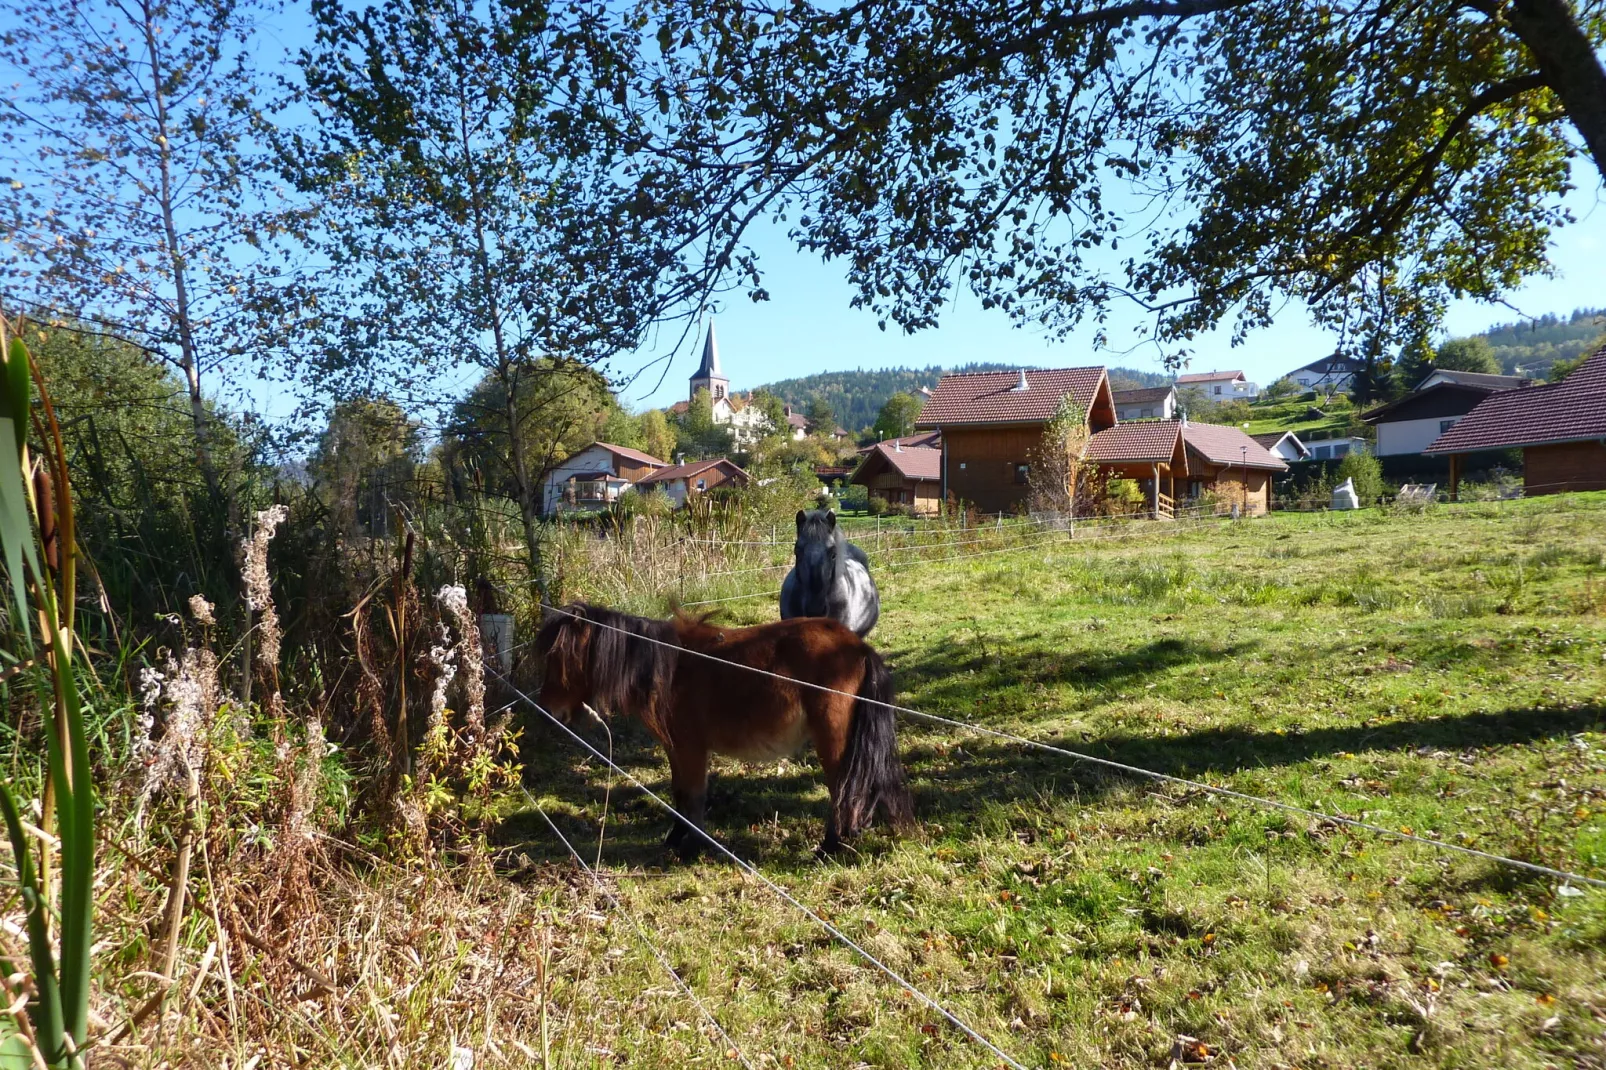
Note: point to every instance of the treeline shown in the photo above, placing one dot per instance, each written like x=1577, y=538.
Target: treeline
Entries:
x=1531, y=347
x=857, y=397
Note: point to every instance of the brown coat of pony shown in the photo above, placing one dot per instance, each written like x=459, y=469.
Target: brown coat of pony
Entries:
x=696, y=706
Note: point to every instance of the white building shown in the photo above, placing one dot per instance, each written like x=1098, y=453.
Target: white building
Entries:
x=1331, y=449
x=1149, y=403
x=1284, y=444
x=1410, y=424
x=1221, y=386
x=592, y=479
x=747, y=422
x=1329, y=373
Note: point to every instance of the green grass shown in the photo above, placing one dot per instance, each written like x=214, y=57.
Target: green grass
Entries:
x=1444, y=673
x=1270, y=416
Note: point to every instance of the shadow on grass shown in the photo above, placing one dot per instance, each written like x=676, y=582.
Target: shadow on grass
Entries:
x=947, y=670
x=777, y=818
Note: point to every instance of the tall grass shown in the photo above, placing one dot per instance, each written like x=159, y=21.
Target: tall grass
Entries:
x=36, y=532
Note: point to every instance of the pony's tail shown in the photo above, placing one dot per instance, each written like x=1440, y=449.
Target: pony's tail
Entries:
x=871, y=775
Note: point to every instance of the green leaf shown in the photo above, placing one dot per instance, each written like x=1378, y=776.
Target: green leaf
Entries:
x=46, y=1005
x=15, y=1054
x=14, y=395
x=16, y=527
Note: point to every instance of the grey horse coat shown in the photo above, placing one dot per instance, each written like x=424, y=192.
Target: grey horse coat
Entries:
x=830, y=576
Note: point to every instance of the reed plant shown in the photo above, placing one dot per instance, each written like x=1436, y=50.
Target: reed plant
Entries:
x=37, y=540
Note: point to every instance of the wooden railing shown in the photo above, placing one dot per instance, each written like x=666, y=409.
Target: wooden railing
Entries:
x=1165, y=508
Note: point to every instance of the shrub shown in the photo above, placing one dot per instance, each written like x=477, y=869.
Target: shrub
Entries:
x=1367, y=472
x=878, y=505
x=855, y=496
x=1123, y=495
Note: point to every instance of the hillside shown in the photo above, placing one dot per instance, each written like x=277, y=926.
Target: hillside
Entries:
x=1531, y=347
x=857, y=396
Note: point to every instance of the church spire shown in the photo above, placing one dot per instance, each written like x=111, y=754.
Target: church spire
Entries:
x=709, y=369
x=708, y=376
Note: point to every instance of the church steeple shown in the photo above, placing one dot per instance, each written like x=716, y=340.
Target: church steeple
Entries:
x=708, y=376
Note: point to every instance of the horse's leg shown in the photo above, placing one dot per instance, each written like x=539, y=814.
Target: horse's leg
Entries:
x=689, y=776
x=830, y=717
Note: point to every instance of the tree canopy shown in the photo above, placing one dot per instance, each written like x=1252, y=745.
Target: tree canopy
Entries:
x=1206, y=160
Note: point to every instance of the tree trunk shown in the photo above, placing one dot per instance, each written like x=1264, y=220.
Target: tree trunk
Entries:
x=529, y=506
x=1569, y=64
x=189, y=360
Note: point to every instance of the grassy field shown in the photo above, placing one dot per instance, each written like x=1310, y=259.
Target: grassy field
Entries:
x=1292, y=415
x=1443, y=673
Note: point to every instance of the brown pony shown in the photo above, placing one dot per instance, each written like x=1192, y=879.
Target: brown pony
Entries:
x=696, y=706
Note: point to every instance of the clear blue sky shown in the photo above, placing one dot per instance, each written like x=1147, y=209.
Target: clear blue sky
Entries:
x=807, y=326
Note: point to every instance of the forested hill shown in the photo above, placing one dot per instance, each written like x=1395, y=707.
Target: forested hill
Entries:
x=1533, y=345
x=857, y=396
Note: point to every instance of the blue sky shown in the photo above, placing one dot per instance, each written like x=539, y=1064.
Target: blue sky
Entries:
x=808, y=326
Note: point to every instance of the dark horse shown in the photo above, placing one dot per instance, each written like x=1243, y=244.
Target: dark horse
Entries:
x=831, y=577
x=696, y=706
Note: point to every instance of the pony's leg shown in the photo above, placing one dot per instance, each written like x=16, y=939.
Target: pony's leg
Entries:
x=830, y=717
x=689, y=778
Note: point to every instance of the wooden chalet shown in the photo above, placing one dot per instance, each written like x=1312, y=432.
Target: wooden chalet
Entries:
x=685, y=481
x=1176, y=460
x=992, y=424
x=1560, y=428
x=910, y=476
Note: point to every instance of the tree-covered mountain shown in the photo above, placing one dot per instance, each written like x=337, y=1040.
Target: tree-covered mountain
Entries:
x=857, y=396
x=1532, y=346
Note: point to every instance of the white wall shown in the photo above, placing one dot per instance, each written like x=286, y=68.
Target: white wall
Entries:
x=1286, y=450
x=1411, y=436
x=1149, y=410
x=590, y=459
x=1323, y=448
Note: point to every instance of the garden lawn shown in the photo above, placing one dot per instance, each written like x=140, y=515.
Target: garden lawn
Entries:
x=1442, y=673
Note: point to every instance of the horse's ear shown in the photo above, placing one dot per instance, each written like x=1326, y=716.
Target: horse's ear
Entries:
x=801, y=516
x=830, y=519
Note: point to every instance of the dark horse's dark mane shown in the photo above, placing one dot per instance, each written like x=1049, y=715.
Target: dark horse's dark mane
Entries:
x=627, y=672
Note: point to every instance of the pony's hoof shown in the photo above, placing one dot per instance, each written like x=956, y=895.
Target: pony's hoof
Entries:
x=676, y=834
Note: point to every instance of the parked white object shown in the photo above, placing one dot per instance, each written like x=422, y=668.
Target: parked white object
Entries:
x=1344, y=496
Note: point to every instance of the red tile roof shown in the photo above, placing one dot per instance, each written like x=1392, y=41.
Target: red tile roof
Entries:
x=632, y=455
x=1219, y=444
x=913, y=462
x=932, y=439
x=1148, y=442
x=992, y=397
x=1209, y=377
x=1569, y=411
x=1142, y=394
x=689, y=470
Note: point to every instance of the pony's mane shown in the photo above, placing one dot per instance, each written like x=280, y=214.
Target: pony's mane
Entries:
x=628, y=673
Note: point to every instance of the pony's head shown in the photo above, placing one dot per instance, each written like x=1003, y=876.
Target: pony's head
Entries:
x=819, y=544
x=610, y=660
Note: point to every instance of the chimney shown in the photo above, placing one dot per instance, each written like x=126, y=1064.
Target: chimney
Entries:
x=897, y=445
x=680, y=458
x=1022, y=386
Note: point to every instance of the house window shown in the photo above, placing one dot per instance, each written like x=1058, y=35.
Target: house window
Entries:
x=1023, y=473
x=1303, y=381
x=1147, y=412
x=1445, y=425
x=702, y=484
x=1322, y=453
x=1340, y=450
x=961, y=466
x=1218, y=390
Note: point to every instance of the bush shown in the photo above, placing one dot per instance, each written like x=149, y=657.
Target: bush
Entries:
x=877, y=505
x=1367, y=472
x=1123, y=496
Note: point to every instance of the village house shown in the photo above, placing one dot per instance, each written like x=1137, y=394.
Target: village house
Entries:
x=1560, y=428
x=992, y=425
x=1283, y=444
x=1181, y=461
x=1330, y=374
x=1220, y=386
x=682, y=482
x=1410, y=424
x=592, y=479
x=929, y=439
x=1488, y=380
x=910, y=476
x=1149, y=403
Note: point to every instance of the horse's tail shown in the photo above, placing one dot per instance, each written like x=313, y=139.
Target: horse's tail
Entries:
x=871, y=774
